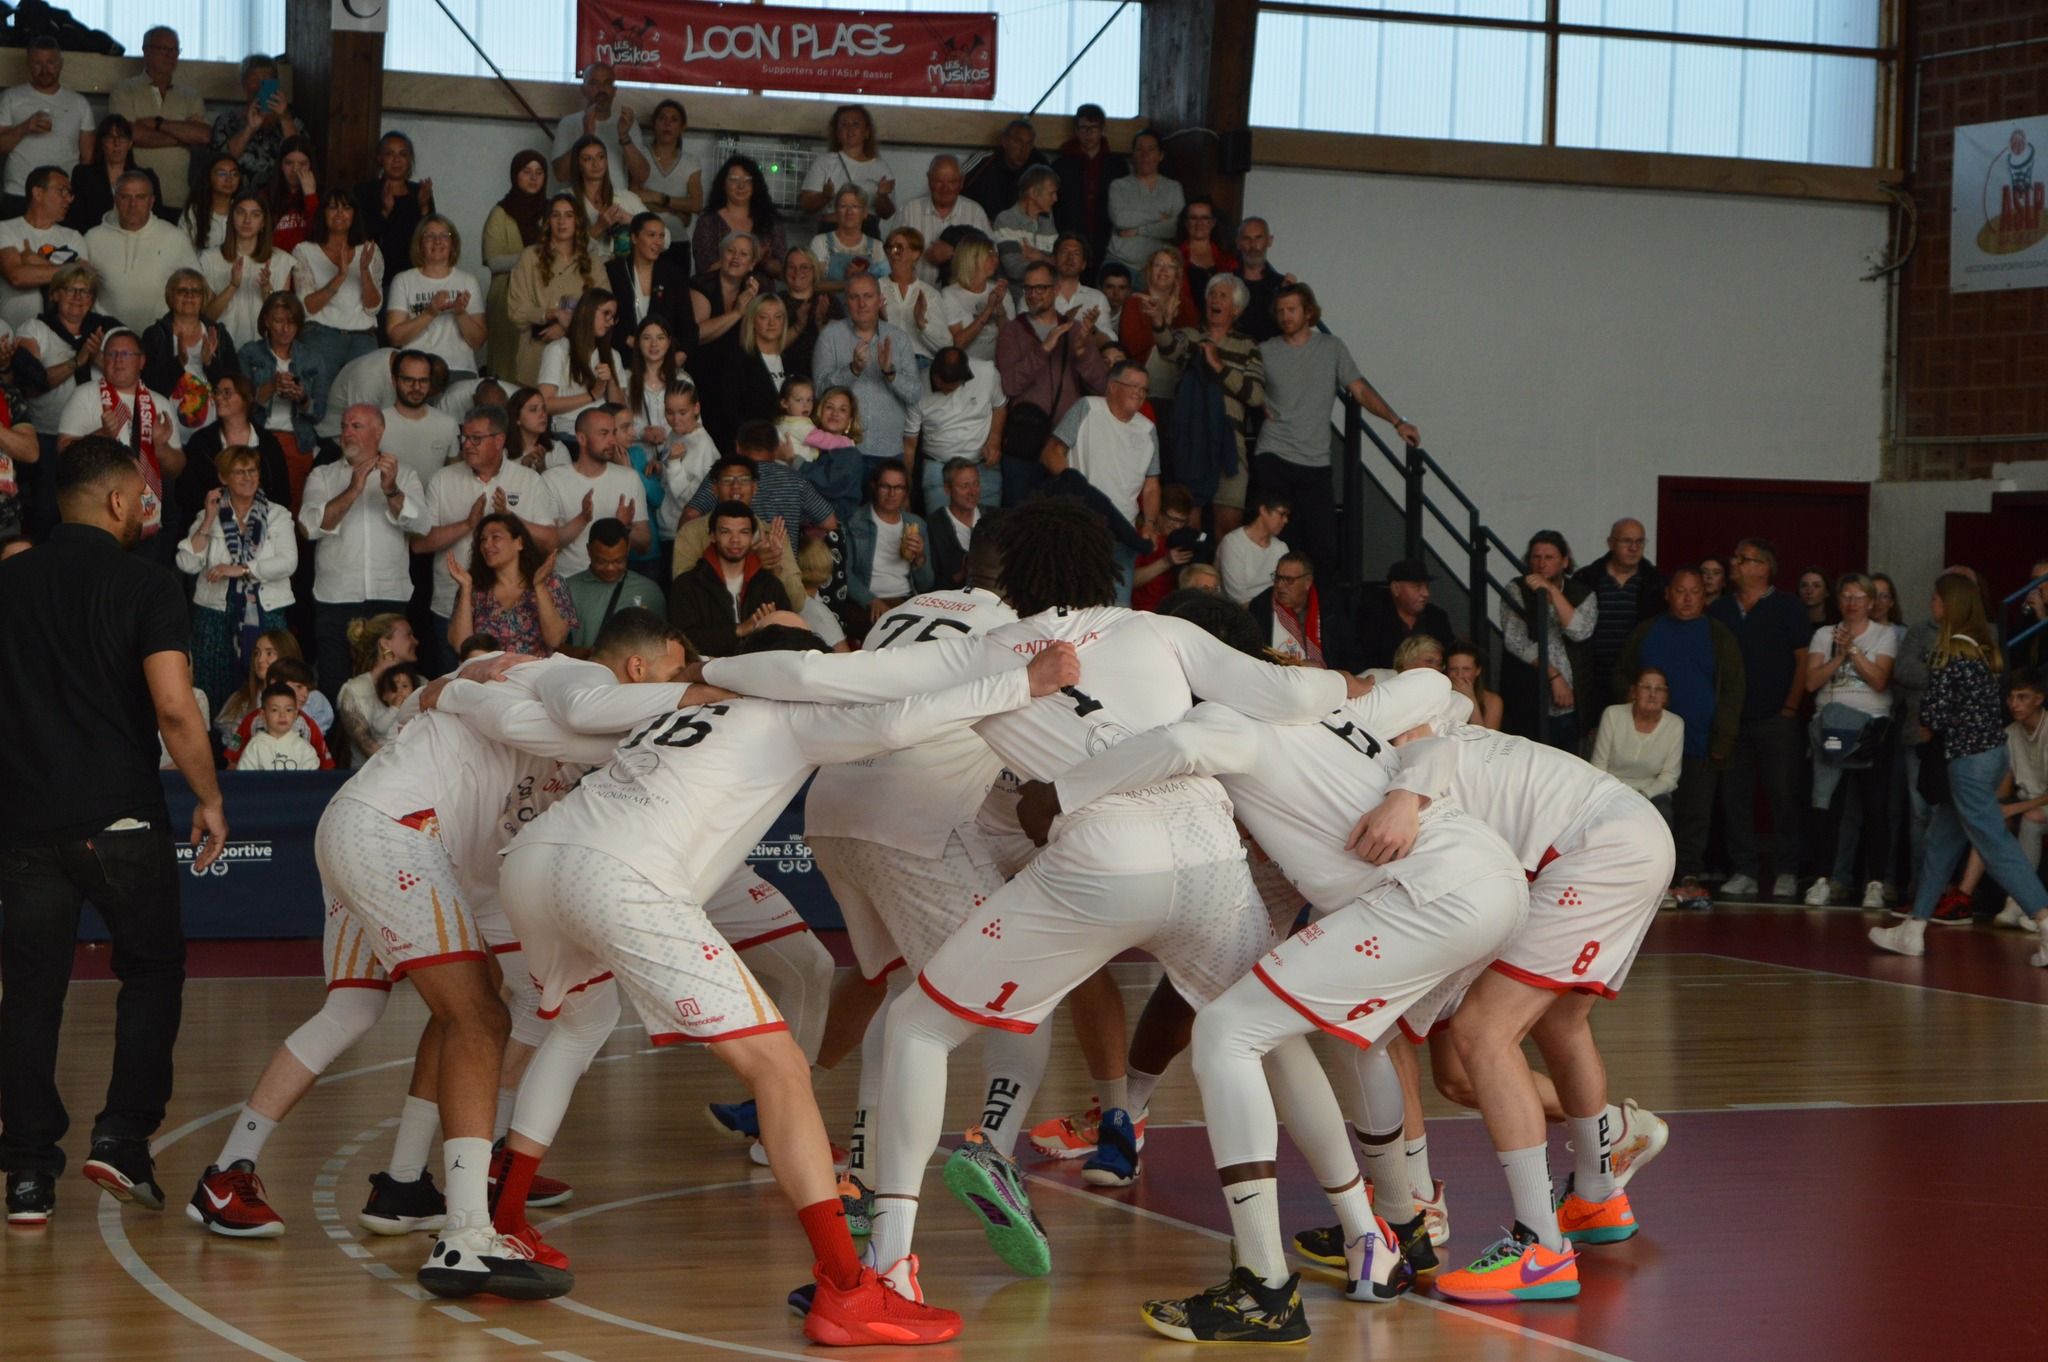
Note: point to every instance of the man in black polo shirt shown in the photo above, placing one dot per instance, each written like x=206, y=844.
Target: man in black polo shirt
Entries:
x=1389, y=618
x=93, y=669
x=1772, y=630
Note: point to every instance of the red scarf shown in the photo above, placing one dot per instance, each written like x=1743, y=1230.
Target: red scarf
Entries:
x=144, y=445
x=1305, y=629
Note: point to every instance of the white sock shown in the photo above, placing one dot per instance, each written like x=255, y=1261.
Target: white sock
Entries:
x=1528, y=1173
x=1115, y=1094
x=1014, y=1063
x=1418, y=1168
x=503, y=1121
x=1141, y=1086
x=245, y=1141
x=467, y=1165
x=895, y=1222
x=1354, y=1210
x=415, y=1141
x=1593, y=1140
x=1387, y=1166
x=1255, y=1225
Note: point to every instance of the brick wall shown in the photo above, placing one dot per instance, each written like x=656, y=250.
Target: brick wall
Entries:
x=1970, y=364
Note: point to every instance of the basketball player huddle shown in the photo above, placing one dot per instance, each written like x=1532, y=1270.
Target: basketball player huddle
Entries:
x=1016, y=782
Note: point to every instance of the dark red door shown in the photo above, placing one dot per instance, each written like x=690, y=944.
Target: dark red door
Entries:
x=1813, y=524
x=2003, y=543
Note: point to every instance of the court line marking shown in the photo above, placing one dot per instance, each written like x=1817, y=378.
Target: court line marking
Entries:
x=1867, y=979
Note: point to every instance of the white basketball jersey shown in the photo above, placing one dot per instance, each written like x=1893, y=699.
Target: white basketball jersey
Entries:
x=1536, y=797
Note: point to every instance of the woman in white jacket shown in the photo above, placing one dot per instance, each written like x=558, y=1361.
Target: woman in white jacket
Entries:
x=242, y=550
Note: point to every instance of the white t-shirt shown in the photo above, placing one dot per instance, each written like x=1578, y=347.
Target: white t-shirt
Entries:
x=82, y=416
x=931, y=224
x=412, y=292
x=962, y=307
x=453, y=490
x=69, y=116
x=844, y=168
x=776, y=370
x=425, y=445
x=568, y=486
x=1847, y=688
x=54, y=245
x=954, y=425
x=344, y=311
x=554, y=369
x=674, y=182
x=1115, y=456
x=1247, y=569
x=364, y=380
x=46, y=409
x=259, y=281
x=889, y=575
x=1084, y=298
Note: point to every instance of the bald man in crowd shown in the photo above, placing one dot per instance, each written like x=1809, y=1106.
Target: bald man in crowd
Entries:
x=1630, y=589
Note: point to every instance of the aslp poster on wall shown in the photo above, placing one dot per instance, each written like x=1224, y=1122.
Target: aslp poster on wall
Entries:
x=823, y=51
x=1998, y=231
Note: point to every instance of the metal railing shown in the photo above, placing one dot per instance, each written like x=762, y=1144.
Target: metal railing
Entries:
x=2017, y=635
x=1476, y=542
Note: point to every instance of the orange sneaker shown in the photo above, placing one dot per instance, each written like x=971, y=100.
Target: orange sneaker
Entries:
x=1595, y=1222
x=1515, y=1269
x=874, y=1312
x=1075, y=1137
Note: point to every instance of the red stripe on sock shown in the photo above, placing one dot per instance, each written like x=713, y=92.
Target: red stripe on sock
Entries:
x=824, y=1224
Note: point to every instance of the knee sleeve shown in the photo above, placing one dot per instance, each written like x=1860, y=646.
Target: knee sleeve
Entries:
x=1303, y=1099
x=522, y=1000
x=1236, y=1102
x=798, y=972
x=345, y=1018
x=1378, y=1108
x=566, y=1049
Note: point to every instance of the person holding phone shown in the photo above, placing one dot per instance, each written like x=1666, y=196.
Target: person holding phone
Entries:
x=254, y=134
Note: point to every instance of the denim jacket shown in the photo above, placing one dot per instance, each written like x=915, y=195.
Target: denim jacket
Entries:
x=260, y=365
x=860, y=558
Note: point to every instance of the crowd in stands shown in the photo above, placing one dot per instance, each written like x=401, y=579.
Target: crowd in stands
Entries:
x=651, y=384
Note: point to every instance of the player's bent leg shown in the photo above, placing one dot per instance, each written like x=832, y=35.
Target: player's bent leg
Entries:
x=229, y=1198
x=1592, y=1208
x=572, y=1041
x=1426, y=1188
x=1012, y=1065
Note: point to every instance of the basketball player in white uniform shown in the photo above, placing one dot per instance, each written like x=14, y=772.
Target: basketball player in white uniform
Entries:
x=900, y=841
x=1161, y=869
x=1395, y=932
x=608, y=885
x=407, y=848
x=1599, y=858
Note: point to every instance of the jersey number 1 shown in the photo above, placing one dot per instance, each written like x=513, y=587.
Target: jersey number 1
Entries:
x=1003, y=995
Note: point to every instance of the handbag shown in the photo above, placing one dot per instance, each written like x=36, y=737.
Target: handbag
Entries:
x=1932, y=785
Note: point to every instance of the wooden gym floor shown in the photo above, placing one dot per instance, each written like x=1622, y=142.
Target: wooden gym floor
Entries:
x=1855, y=1172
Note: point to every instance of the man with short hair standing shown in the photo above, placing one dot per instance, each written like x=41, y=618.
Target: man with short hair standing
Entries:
x=595, y=119
x=1306, y=369
x=34, y=246
x=1086, y=166
x=357, y=512
x=136, y=254
x=595, y=484
x=1772, y=630
x=940, y=215
x=42, y=123
x=1044, y=358
x=1262, y=279
x=1629, y=588
x=954, y=524
x=1112, y=444
x=877, y=360
x=485, y=482
x=95, y=669
x=416, y=432
x=168, y=118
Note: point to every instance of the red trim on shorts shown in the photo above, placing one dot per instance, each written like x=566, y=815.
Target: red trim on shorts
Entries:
x=384, y=984
x=678, y=1038
x=1284, y=996
x=417, y=820
x=1549, y=855
x=545, y=1015
x=506, y=948
x=766, y=937
x=1522, y=976
x=876, y=980
x=405, y=967
x=1022, y=1028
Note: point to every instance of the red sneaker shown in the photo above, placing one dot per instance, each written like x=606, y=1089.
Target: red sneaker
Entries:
x=537, y=1248
x=872, y=1312
x=231, y=1203
x=544, y=1192
x=1953, y=910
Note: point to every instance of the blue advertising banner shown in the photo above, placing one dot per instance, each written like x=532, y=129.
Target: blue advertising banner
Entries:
x=266, y=885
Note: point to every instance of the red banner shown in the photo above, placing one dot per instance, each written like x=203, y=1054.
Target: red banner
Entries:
x=742, y=47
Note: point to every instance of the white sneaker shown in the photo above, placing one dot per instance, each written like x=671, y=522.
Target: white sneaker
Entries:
x=1374, y=1269
x=1643, y=1137
x=2039, y=959
x=477, y=1259
x=1786, y=887
x=2011, y=916
x=1873, y=896
x=1436, y=1212
x=1820, y=896
x=1738, y=887
x=1905, y=938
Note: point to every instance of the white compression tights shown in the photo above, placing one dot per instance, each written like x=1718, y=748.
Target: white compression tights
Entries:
x=577, y=1033
x=1254, y=1065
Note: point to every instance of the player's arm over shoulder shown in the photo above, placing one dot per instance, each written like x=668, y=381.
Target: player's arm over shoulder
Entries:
x=864, y=677
x=1258, y=690
x=1211, y=740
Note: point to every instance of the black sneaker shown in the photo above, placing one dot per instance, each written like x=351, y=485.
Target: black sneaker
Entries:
x=124, y=1170
x=1241, y=1310
x=1413, y=1238
x=398, y=1207
x=1324, y=1244
x=477, y=1260
x=31, y=1198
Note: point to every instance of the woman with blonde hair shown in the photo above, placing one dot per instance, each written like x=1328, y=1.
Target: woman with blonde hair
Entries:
x=803, y=289
x=975, y=306
x=1419, y=652
x=1964, y=714
x=376, y=644
x=550, y=276
x=436, y=306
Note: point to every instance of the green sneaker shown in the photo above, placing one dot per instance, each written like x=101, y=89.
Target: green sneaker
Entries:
x=992, y=1188
x=858, y=1200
